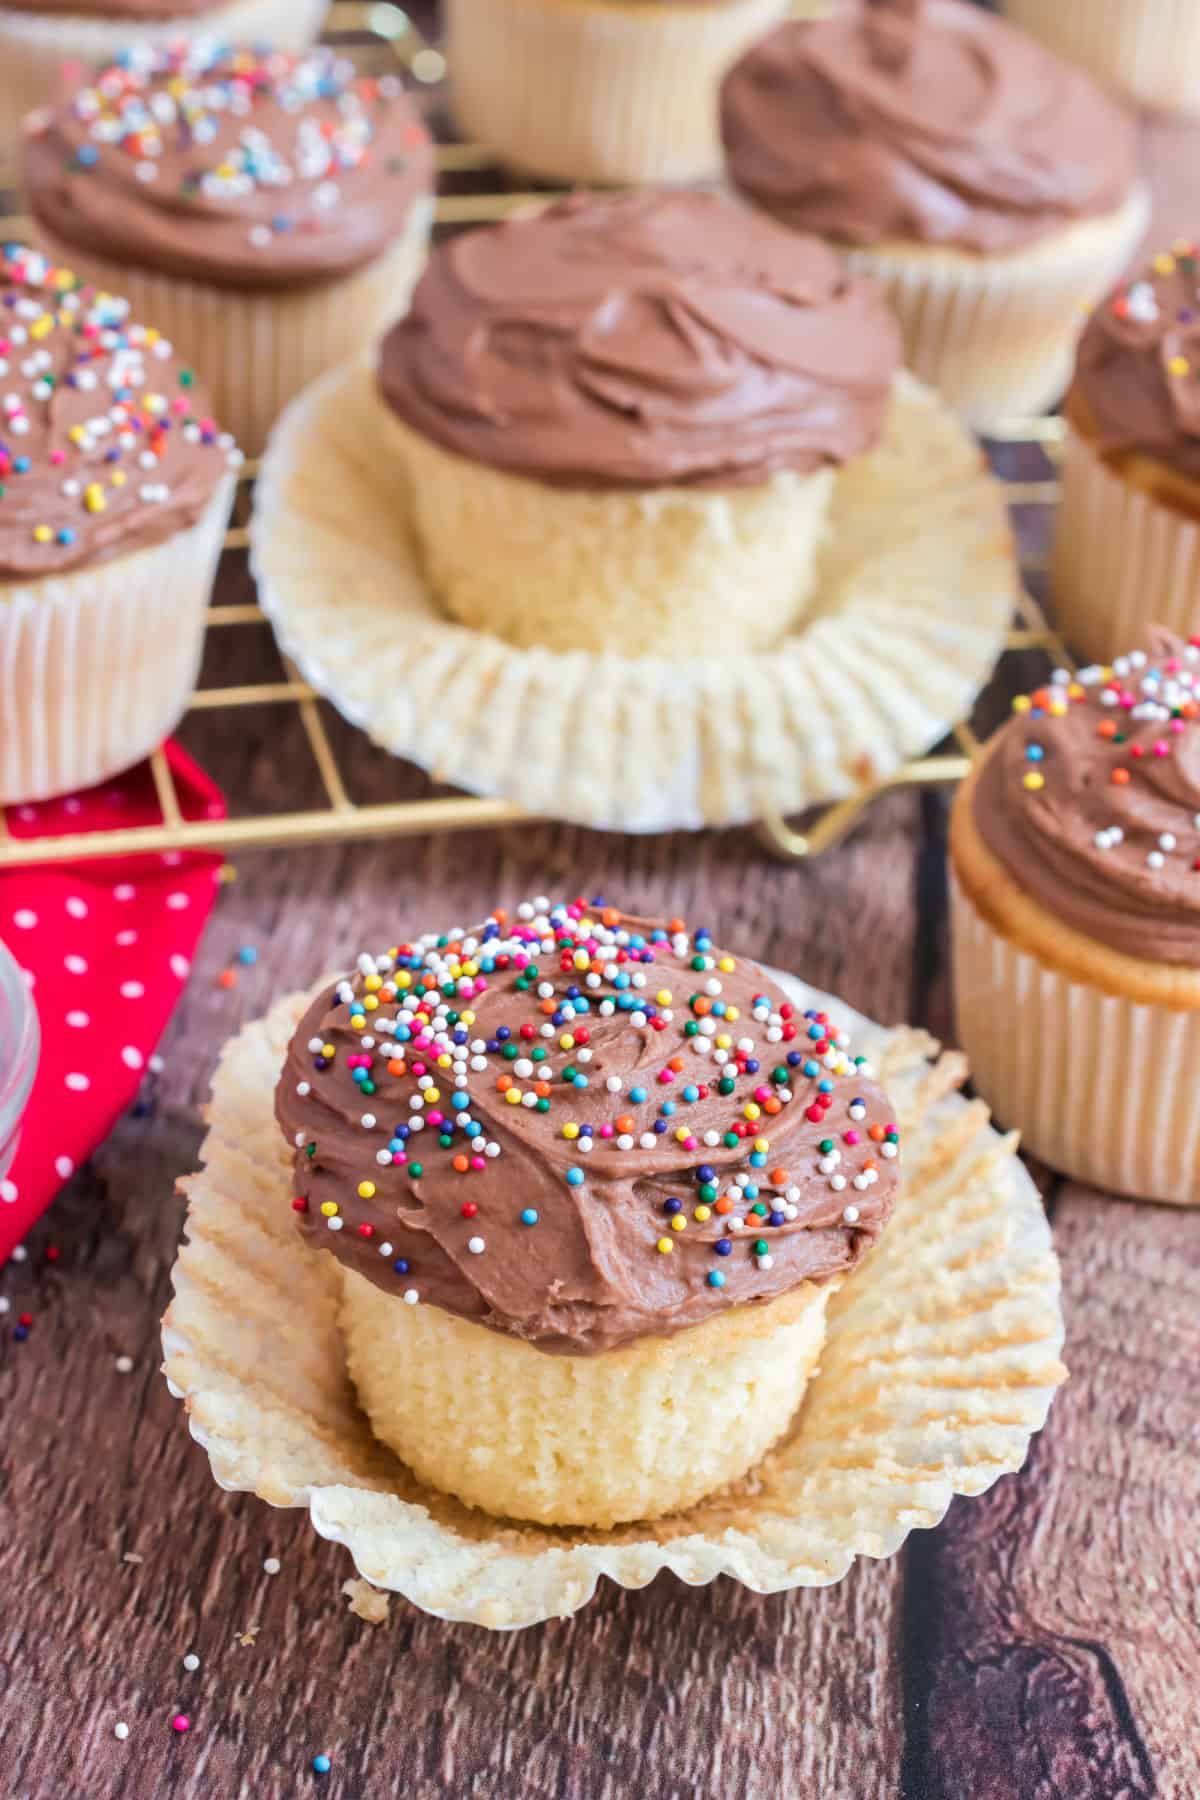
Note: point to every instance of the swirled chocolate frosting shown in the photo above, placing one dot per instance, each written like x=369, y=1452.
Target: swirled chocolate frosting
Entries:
x=1137, y=374
x=936, y=123
x=1090, y=797
x=578, y=1128
x=642, y=340
x=239, y=167
x=106, y=442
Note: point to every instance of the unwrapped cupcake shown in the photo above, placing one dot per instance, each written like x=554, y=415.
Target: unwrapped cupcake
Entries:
x=1150, y=49
x=271, y=212
x=1075, y=858
x=598, y=90
x=619, y=421
x=591, y=1182
x=989, y=186
x=39, y=37
x=115, y=490
x=1127, y=535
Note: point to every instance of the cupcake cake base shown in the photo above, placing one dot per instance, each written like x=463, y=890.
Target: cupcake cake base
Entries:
x=915, y=590
x=940, y=1363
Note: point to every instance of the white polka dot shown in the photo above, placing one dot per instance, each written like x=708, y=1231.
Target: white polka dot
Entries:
x=24, y=920
x=64, y=1168
x=125, y=938
x=8, y=1192
x=132, y=990
x=78, y=1021
x=180, y=967
x=78, y=1084
x=172, y=858
x=115, y=797
x=132, y=1058
x=27, y=814
x=76, y=965
x=30, y=979
x=124, y=890
x=77, y=907
x=73, y=806
x=177, y=902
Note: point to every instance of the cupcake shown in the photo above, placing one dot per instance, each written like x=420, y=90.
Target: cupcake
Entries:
x=590, y=1182
x=1150, y=49
x=271, y=212
x=1075, y=858
x=620, y=420
x=1127, y=536
x=39, y=37
x=598, y=90
x=115, y=490
x=990, y=187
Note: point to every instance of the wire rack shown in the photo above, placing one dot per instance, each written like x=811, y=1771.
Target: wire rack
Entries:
x=384, y=31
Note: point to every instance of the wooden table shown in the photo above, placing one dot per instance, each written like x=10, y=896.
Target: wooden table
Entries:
x=1042, y=1643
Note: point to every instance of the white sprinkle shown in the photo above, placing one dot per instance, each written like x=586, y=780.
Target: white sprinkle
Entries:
x=121, y=1730
x=837, y=1183
x=476, y=1246
x=411, y=1296
x=385, y=1249
x=124, y=1364
x=850, y=1215
x=191, y=1662
x=1167, y=841
x=272, y=1565
x=304, y=1089
x=335, y=1224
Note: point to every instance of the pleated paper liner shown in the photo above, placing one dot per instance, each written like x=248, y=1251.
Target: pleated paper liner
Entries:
x=916, y=591
x=941, y=1361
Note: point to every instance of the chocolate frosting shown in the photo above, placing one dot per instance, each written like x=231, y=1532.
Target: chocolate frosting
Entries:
x=106, y=443
x=241, y=168
x=579, y=1128
x=1090, y=797
x=641, y=340
x=1137, y=376
x=948, y=127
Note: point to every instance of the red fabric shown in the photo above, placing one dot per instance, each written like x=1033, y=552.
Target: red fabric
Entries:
x=107, y=944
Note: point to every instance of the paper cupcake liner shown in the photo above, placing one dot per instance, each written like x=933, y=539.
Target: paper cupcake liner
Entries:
x=254, y=352
x=941, y=1360
x=916, y=589
x=1148, y=48
x=97, y=666
x=34, y=46
x=1101, y=1088
x=598, y=90
x=1123, y=559
x=996, y=334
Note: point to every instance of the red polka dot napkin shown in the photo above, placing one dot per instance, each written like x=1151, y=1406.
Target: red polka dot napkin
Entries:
x=106, y=945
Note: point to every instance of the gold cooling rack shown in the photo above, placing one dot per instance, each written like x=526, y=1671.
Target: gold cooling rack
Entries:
x=384, y=29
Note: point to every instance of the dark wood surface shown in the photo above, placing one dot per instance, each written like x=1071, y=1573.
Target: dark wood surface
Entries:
x=1043, y=1644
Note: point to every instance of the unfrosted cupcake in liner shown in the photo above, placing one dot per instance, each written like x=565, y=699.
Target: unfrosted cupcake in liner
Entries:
x=271, y=212
x=1150, y=49
x=1127, y=534
x=600, y=91
x=991, y=188
x=115, y=490
x=40, y=39
x=1075, y=861
x=591, y=1183
x=620, y=421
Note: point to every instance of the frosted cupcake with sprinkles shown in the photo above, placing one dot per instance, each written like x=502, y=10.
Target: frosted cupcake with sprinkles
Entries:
x=115, y=489
x=271, y=211
x=590, y=1182
x=1075, y=854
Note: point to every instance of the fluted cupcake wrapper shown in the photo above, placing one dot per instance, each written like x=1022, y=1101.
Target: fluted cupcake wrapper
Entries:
x=916, y=588
x=1149, y=49
x=1100, y=1087
x=35, y=46
x=255, y=351
x=1123, y=559
x=606, y=91
x=97, y=666
x=996, y=334
x=941, y=1359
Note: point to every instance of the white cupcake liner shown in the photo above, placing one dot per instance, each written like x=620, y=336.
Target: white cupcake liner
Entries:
x=34, y=46
x=255, y=351
x=1123, y=559
x=1101, y=1088
x=996, y=334
x=1149, y=49
x=916, y=589
x=598, y=90
x=941, y=1360
x=97, y=666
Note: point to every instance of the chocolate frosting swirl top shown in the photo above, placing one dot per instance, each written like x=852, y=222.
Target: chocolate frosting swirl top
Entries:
x=1090, y=797
x=578, y=1128
x=948, y=127
x=243, y=168
x=642, y=340
x=106, y=443
x=1137, y=374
